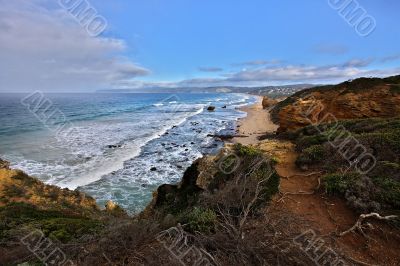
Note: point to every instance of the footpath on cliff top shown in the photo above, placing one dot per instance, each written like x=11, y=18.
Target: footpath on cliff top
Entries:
x=301, y=196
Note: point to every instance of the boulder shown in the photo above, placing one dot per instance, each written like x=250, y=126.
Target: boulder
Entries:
x=210, y=108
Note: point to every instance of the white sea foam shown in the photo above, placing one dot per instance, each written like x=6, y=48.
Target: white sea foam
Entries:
x=110, y=156
x=101, y=165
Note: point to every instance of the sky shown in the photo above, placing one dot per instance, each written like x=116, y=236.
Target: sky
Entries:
x=190, y=43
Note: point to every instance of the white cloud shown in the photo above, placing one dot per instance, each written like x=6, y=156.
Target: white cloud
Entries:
x=43, y=48
x=284, y=75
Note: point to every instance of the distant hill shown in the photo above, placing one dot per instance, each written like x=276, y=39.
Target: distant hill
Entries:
x=271, y=91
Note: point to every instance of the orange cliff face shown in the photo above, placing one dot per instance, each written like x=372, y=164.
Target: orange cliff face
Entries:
x=268, y=102
x=361, y=98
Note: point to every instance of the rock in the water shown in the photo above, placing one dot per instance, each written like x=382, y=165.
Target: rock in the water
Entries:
x=153, y=169
x=210, y=108
x=224, y=107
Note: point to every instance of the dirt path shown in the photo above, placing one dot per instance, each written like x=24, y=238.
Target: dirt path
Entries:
x=302, y=195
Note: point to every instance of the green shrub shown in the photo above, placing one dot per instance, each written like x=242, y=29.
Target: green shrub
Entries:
x=200, y=220
x=54, y=224
x=339, y=183
x=275, y=160
x=308, y=141
x=395, y=89
x=315, y=153
x=243, y=150
x=66, y=229
x=270, y=188
x=311, y=155
x=389, y=191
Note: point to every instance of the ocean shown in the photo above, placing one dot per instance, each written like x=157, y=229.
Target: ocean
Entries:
x=114, y=146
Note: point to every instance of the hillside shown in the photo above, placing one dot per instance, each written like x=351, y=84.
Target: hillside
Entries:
x=360, y=98
x=28, y=206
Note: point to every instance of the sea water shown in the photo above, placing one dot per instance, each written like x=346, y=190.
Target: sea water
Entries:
x=122, y=146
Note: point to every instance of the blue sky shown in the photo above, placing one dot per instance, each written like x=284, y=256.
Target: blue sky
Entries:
x=196, y=43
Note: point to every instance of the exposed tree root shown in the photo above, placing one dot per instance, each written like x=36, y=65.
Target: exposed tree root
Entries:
x=359, y=226
x=304, y=175
x=286, y=195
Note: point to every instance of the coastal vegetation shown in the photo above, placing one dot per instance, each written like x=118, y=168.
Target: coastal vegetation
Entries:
x=376, y=190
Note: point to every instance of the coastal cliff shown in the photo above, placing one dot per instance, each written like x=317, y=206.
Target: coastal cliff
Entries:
x=360, y=98
x=268, y=102
x=253, y=204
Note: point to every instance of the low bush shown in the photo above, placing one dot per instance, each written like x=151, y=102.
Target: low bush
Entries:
x=243, y=150
x=199, y=220
x=389, y=191
x=54, y=224
x=339, y=183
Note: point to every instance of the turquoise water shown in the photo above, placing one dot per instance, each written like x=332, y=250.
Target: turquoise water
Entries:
x=106, y=144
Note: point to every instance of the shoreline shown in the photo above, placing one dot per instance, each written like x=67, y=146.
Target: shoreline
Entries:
x=256, y=123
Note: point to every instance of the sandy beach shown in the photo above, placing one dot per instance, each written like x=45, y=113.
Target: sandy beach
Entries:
x=255, y=124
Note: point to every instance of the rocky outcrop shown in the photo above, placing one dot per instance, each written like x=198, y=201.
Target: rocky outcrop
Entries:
x=114, y=209
x=210, y=108
x=361, y=98
x=268, y=102
x=4, y=164
x=216, y=180
x=18, y=187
